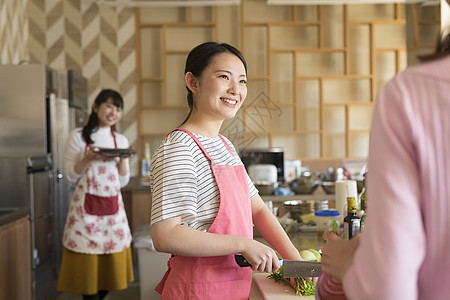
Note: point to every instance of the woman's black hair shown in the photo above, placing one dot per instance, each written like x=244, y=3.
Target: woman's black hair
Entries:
x=92, y=123
x=200, y=57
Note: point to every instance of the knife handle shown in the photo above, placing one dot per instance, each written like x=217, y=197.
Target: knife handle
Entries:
x=241, y=261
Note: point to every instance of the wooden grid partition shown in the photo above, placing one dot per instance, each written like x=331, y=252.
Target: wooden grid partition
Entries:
x=314, y=71
x=320, y=68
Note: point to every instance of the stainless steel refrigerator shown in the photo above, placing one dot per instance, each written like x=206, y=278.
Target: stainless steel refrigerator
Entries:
x=34, y=124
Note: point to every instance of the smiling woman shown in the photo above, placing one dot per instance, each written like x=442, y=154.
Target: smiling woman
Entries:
x=203, y=201
x=97, y=254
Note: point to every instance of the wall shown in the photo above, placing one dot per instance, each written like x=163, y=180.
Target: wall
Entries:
x=100, y=43
x=13, y=31
x=96, y=41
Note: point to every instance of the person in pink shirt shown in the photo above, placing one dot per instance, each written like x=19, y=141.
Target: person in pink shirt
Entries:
x=403, y=252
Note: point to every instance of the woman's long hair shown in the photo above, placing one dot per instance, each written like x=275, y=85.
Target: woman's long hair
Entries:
x=93, y=121
x=200, y=57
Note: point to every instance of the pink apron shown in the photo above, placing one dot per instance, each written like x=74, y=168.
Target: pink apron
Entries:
x=217, y=277
x=96, y=222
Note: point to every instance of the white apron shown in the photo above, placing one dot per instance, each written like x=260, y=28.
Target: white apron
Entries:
x=96, y=222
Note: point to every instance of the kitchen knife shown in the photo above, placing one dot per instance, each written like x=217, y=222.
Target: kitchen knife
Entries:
x=292, y=268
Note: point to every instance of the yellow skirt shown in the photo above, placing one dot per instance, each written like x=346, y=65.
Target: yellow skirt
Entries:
x=86, y=274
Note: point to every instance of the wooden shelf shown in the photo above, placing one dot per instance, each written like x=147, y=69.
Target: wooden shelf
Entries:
x=314, y=197
x=314, y=65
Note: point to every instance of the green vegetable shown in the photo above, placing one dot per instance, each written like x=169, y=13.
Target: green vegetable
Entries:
x=304, y=287
x=334, y=224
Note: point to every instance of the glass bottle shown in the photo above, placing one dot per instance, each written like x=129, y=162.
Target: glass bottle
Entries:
x=352, y=223
x=363, y=200
x=145, y=167
x=363, y=208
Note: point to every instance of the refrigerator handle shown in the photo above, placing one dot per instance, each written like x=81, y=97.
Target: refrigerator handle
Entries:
x=59, y=175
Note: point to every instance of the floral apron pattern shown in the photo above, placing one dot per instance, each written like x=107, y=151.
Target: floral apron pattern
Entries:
x=96, y=221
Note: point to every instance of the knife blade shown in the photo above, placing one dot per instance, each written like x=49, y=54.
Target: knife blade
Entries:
x=292, y=268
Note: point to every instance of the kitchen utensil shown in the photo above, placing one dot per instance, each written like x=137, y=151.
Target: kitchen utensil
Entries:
x=359, y=183
x=265, y=187
x=115, y=152
x=329, y=187
x=263, y=172
x=320, y=205
x=299, y=208
x=265, y=288
x=305, y=184
x=332, y=174
x=324, y=219
x=292, y=268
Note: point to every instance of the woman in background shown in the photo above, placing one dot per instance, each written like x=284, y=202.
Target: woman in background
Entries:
x=97, y=256
x=204, y=204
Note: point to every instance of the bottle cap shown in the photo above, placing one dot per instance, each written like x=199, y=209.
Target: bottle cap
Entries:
x=327, y=213
x=351, y=200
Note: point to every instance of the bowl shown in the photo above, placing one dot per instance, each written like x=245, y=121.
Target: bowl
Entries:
x=264, y=187
x=329, y=187
x=305, y=184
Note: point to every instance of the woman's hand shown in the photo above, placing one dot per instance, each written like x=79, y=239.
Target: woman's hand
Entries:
x=127, y=155
x=337, y=255
x=261, y=257
x=91, y=154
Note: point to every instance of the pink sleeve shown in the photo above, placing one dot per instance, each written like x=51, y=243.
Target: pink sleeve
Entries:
x=392, y=246
x=329, y=288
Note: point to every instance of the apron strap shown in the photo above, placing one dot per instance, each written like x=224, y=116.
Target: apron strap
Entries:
x=200, y=144
x=226, y=145
x=114, y=137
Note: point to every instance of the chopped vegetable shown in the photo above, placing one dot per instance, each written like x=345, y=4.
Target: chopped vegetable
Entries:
x=304, y=287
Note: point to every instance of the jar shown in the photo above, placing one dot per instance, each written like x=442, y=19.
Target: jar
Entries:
x=324, y=220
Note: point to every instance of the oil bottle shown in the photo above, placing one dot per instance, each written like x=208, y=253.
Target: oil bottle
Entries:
x=352, y=223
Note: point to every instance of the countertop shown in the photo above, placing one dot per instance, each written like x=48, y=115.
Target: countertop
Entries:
x=135, y=184
x=8, y=215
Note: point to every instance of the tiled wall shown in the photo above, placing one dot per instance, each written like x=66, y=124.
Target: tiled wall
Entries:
x=13, y=31
x=96, y=41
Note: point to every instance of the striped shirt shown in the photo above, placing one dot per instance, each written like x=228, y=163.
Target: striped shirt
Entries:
x=182, y=182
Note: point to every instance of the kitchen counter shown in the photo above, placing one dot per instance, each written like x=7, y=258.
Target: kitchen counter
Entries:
x=135, y=184
x=8, y=215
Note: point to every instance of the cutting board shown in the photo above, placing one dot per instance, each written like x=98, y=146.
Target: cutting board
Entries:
x=270, y=290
